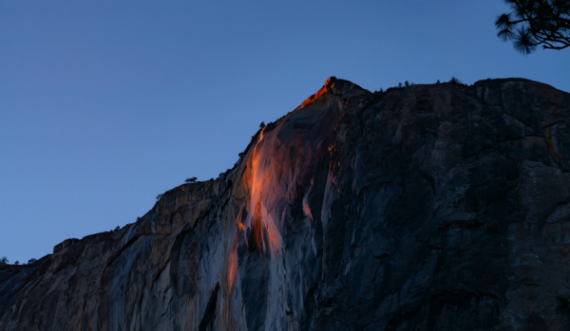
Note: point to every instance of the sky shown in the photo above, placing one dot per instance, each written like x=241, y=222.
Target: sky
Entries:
x=106, y=104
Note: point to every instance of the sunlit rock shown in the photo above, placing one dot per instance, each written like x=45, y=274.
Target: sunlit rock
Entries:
x=429, y=207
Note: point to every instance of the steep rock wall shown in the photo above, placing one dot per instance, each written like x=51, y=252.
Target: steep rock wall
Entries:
x=432, y=207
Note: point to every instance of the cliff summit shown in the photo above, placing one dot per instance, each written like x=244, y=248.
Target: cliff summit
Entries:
x=428, y=207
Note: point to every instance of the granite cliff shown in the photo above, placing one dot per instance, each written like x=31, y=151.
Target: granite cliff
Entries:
x=429, y=207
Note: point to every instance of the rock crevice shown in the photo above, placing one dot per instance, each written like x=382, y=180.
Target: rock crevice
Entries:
x=429, y=207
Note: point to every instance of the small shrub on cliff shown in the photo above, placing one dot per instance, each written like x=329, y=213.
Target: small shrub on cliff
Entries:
x=32, y=261
x=454, y=81
x=158, y=197
x=437, y=82
x=4, y=260
x=191, y=180
x=17, y=263
x=406, y=83
x=262, y=125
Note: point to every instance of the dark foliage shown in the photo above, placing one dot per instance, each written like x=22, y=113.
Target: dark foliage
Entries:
x=536, y=22
x=454, y=81
x=191, y=180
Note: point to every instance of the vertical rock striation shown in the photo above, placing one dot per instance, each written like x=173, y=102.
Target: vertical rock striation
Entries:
x=432, y=207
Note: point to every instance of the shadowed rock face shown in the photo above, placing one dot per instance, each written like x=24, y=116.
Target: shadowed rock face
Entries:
x=432, y=207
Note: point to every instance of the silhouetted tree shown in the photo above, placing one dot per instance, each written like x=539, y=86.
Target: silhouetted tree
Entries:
x=536, y=22
x=262, y=125
x=191, y=180
x=454, y=80
x=17, y=263
x=406, y=83
x=4, y=260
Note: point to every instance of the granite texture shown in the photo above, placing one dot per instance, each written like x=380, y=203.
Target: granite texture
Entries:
x=429, y=207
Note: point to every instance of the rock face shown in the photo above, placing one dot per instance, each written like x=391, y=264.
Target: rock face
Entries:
x=431, y=207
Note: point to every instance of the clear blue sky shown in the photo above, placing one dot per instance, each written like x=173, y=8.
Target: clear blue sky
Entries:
x=105, y=104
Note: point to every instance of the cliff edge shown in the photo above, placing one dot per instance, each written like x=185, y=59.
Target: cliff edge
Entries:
x=429, y=207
